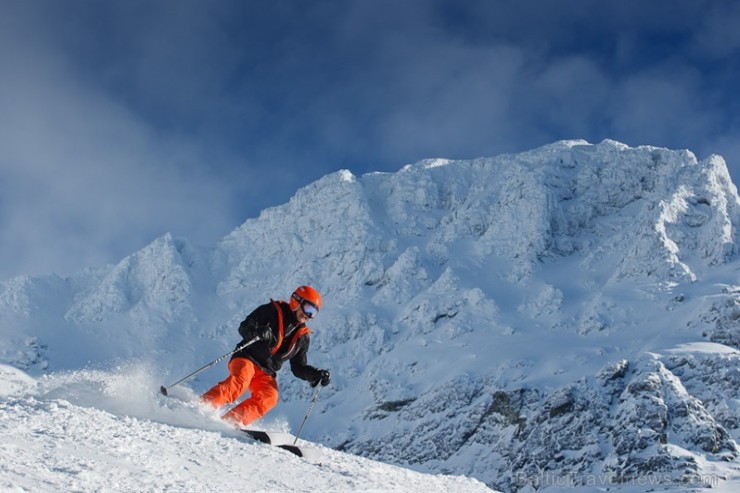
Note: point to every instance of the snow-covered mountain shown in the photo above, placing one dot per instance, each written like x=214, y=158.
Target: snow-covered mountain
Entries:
x=568, y=315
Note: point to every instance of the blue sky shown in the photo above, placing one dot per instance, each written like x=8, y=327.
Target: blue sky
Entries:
x=120, y=121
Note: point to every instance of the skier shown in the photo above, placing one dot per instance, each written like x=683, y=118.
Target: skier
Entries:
x=283, y=335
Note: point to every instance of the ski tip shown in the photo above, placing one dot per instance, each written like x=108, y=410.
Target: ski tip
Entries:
x=292, y=449
x=163, y=389
x=283, y=441
x=260, y=436
x=309, y=453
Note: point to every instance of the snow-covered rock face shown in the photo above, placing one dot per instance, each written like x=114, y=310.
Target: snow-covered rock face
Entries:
x=505, y=318
x=153, y=281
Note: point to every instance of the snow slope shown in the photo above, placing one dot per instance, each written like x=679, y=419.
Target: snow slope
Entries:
x=94, y=431
x=566, y=315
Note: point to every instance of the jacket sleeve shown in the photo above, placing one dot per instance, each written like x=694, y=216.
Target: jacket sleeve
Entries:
x=299, y=363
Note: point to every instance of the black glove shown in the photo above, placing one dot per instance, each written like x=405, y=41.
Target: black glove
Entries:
x=249, y=329
x=265, y=333
x=322, y=377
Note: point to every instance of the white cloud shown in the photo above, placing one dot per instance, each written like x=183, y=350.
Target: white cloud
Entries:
x=83, y=181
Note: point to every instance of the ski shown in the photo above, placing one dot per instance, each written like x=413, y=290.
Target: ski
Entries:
x=269, y=437
x=295, y=450
x=283, y=441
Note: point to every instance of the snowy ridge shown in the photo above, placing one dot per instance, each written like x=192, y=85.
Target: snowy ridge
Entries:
x=153, y=281
x=499, y=317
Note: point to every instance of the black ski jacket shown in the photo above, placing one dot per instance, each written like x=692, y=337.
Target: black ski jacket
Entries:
x=293, y=342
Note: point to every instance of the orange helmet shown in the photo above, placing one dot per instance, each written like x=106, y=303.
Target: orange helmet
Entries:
x=304, y=294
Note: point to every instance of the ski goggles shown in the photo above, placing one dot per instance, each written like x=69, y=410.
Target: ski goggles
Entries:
x=309, y=309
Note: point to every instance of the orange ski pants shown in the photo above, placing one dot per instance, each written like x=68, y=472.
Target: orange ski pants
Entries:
x=243, y=375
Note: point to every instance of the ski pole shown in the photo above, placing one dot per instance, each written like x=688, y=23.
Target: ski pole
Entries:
x=163, y=389
x=310, y=408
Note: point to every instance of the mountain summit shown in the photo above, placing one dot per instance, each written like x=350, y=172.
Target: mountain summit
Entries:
x=571, y=313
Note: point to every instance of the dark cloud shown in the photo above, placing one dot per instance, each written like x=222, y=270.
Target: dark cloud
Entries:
x=123, y=120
